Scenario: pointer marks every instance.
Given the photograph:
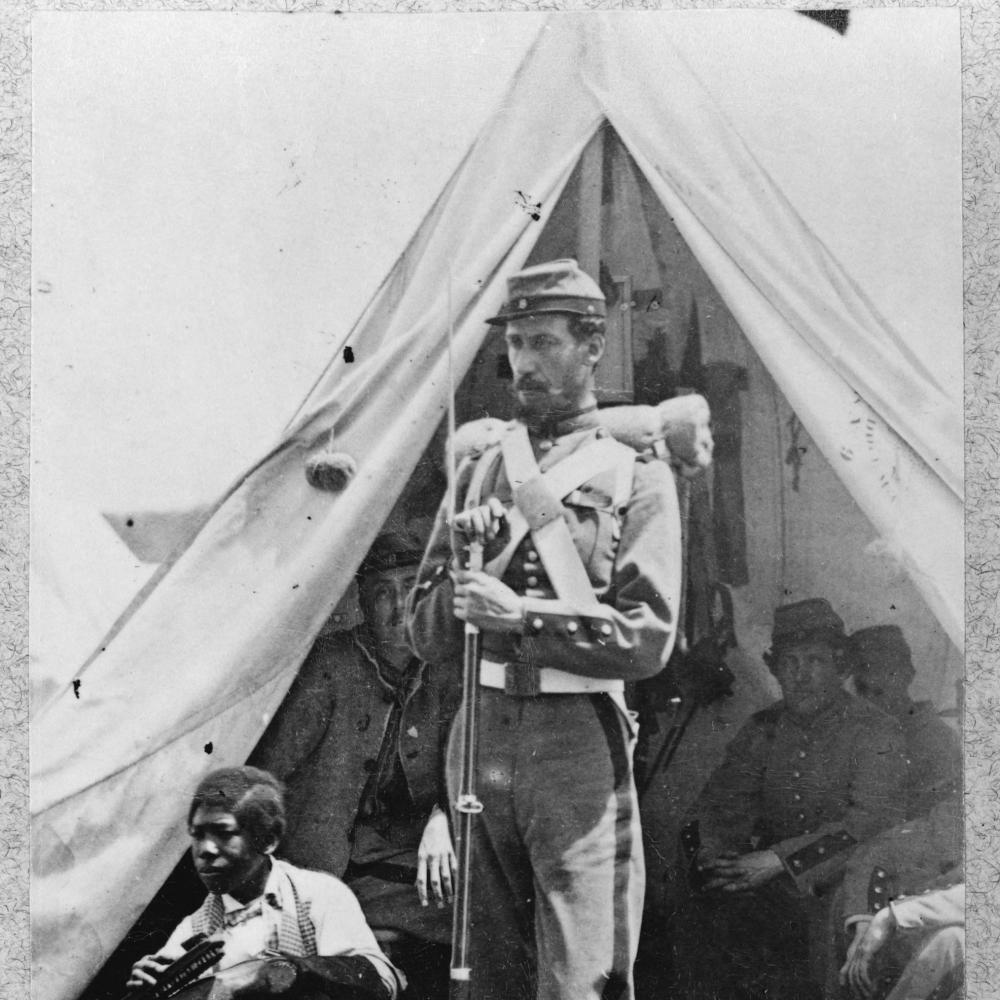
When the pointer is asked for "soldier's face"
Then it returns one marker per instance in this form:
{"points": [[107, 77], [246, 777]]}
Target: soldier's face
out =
{"points": [[888, 689], [553, 370], [383, 596], [807, 673]]}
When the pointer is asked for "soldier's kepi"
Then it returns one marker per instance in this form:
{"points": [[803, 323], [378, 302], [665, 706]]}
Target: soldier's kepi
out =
{"points": [[579, 594]]}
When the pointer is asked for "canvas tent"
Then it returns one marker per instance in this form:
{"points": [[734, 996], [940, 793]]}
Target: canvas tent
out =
{"points": [[207, 650]]}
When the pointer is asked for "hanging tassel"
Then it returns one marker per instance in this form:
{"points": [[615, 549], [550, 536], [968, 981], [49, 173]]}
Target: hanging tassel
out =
{"points": [[328, 469]]}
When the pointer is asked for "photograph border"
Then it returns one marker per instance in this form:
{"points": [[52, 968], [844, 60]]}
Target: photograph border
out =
{"points": [[980, 40]]}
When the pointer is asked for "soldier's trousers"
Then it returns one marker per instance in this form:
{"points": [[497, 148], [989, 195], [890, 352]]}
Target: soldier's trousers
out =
{"points": [[558, 872]]}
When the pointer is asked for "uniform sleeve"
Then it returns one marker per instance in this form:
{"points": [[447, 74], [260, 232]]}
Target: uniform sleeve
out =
{"points": [[931, 911], [919, 854], [434, 633], [302, 719], [341, 929], [731, 800], [631, 633], [876, 802]]}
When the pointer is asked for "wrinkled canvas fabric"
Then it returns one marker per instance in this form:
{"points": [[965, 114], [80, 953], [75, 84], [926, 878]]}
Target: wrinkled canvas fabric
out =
{"points": [[207, 652]]}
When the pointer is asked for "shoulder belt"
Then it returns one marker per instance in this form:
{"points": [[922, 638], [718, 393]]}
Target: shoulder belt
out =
{"points": [[538, 508]]}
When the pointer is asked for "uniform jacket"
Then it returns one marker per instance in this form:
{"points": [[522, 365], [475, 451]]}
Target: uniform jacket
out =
{"points": [[934, 756], [631, 555], [914, 857], [807, 790], [325, 738]]}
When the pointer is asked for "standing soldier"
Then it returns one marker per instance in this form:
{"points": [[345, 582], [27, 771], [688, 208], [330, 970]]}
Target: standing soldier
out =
{"points": [[569, 611]]}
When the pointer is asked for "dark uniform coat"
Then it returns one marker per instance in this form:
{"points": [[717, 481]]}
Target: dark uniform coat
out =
{"points": [[325, 739], [810, 791], [914, 857], [934, 758]]}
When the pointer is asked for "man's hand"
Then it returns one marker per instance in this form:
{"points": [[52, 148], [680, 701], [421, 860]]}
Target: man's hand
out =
{"points": [[146, 971], [731, 872], [482, 523], [436, 861], [486, 602], [870, 937]]}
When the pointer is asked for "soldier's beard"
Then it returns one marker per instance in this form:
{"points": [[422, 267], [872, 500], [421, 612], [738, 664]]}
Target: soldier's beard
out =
{"points": [[541, 403]]}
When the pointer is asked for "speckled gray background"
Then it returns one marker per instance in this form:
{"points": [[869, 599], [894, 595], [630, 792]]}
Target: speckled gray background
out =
{"points": [[981, 155]]}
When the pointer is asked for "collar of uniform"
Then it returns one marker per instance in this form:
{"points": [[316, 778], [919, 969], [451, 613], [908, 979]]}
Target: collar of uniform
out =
{"points": [[553, 425]]}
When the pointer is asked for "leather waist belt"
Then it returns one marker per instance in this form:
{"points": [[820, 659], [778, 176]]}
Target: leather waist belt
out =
{"points": [[550, 680]]}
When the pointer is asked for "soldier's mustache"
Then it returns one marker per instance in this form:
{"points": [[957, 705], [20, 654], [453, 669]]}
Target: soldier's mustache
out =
{"points": [[527, 383]]}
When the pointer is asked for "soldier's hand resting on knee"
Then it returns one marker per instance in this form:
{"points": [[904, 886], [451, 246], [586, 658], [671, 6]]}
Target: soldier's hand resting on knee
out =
{"points": [[437, 866], [731, 872], [870, 936]]}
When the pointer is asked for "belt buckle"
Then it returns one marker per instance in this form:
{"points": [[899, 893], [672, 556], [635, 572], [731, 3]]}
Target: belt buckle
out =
{"points": [[522, 680]]}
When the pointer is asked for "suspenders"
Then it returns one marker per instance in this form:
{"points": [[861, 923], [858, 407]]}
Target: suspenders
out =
{"points": [[538, 504]]}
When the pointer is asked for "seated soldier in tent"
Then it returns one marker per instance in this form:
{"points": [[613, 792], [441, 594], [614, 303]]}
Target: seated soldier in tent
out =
{"points": [[904, 908], [883, 672], [802, 782], [359, 741], [284, 931]]}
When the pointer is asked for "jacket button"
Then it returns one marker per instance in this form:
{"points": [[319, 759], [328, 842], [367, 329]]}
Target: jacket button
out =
{"points": [[533, 556], [545, 445], [796, 774], [537, 624], [532, 581], [605, 629], [802, 753], [797, 797], [572, 628]]}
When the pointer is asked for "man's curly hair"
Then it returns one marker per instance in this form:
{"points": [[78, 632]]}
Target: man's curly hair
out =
{"points": [[255, 797]]}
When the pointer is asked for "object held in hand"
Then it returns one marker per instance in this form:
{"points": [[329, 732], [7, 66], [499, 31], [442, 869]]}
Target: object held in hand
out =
{"points": [[201, 954]]}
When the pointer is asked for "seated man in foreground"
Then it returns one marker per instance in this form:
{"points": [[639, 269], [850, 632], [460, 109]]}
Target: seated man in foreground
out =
{"points": [[802, 782], [285, 931]]}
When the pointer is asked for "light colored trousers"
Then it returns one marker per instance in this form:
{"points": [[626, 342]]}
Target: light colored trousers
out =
{"points": [[558, 873], [936, 968]]}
